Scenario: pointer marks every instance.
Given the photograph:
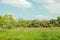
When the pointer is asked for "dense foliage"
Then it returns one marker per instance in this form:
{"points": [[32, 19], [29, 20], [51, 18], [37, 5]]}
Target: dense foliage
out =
{"points": [[7, 21]]}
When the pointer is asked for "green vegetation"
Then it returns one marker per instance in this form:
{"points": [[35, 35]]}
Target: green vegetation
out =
{"points": [[7, 22], [30, 34], [20, 29]]}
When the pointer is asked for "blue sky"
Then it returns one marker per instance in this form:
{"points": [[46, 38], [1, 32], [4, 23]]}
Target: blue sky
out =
{"points": [[31, 9]]}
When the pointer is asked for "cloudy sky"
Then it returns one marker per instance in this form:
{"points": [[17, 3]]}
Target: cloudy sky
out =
{"points": [[31, 9]]}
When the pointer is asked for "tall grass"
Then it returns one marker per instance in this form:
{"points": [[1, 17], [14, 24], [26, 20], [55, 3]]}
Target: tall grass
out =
{"points": [[30, 34]]}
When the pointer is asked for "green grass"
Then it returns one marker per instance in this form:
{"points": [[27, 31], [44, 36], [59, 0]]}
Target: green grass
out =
{"points": [[30, 34]]}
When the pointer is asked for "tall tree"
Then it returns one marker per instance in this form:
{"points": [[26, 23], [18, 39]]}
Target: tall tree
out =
{"points": [[9, 21]]}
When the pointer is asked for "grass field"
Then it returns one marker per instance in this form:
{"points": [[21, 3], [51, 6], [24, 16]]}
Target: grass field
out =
{"points": [[30, 34]]}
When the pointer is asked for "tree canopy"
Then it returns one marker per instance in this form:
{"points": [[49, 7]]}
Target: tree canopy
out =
{"points": [[8, 21]]}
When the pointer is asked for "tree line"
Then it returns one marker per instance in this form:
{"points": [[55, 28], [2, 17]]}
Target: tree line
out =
{"points": [[8, 21]]}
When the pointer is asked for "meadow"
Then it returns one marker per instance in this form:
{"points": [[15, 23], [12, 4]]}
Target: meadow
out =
{"points": [[52, 33]]}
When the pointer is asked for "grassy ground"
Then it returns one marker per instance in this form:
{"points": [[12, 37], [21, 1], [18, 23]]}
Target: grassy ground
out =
{"points": [[30, 34]]}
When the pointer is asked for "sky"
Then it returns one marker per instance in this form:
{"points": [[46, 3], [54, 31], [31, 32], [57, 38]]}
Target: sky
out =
{"points": [[31, 9]]}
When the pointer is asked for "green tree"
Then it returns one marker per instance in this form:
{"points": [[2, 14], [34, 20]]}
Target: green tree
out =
{"points": [[8, 20], [58, 21], [53, 22], [44, 23]]}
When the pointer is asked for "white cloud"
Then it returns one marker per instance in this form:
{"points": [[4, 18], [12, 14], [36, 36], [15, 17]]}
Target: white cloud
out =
{"points": [[17, 3], [44, 1], [52, 6], [41, 17]]}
